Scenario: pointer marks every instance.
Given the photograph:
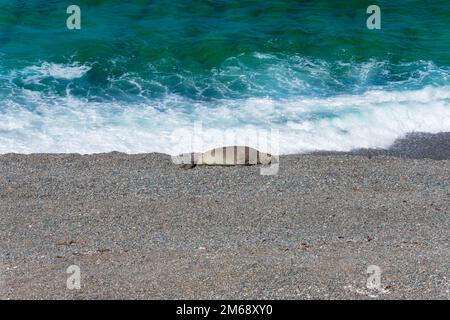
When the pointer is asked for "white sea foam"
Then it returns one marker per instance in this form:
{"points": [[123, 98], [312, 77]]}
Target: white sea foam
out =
{"points": [[342, 123], [34, 74]]}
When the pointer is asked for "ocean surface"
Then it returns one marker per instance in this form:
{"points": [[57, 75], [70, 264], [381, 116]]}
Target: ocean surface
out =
{"points": [[144, 76]]}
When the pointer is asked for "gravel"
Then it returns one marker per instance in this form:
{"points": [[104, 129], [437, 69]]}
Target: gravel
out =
{"points": [[138, 226]]}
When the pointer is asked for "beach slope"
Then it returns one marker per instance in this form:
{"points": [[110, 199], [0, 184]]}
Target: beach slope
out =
{"points": [[140, 227]]}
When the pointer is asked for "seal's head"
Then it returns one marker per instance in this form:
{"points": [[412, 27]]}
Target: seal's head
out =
{"points": [[264, 158]]}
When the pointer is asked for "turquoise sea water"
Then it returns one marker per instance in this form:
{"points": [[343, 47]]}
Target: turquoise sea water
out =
{"points": [[140, 74]]}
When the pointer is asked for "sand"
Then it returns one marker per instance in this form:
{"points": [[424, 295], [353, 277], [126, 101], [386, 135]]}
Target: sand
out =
{"points": [[138, 226]]}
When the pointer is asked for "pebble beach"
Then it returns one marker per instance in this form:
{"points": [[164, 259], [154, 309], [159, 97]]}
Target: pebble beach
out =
{"points": [[138, 226]]}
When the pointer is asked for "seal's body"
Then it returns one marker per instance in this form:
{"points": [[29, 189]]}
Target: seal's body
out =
{"points": [[226, 156]]}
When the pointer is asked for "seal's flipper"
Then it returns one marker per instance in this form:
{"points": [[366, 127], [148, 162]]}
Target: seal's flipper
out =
{"points": [[188, 166]]}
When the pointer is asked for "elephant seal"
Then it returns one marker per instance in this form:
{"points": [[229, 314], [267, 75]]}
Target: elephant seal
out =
{"points": [[225, 156]]}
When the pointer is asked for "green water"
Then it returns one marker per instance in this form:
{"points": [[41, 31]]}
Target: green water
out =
{"points": [[183, 56]]}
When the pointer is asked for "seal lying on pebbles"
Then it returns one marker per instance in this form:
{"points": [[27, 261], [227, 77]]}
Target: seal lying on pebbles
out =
{"points": [[225, 156]]}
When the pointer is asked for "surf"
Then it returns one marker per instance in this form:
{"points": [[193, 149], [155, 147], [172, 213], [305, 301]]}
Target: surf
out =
{"points": [[374, 119]]}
